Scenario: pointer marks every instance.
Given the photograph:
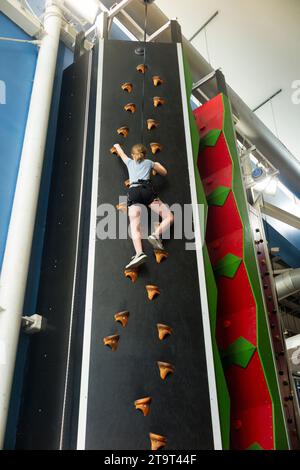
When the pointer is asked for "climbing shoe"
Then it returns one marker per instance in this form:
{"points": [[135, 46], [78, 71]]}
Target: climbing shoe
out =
{"points": [[155, 242], [137, 260]]}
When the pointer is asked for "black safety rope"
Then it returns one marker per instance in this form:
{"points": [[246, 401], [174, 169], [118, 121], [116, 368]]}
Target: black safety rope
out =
{"points": [[144, 77]]}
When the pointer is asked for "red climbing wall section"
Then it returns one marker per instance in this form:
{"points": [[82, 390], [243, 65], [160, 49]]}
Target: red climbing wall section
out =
{"points": [[241, 329]]}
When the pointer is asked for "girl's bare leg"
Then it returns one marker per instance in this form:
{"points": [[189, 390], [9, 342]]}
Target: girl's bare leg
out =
{"points": [[134, 213], [164, 212]]}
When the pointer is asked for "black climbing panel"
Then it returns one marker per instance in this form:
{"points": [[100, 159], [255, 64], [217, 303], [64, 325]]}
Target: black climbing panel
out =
{"points": [[180, 408]]}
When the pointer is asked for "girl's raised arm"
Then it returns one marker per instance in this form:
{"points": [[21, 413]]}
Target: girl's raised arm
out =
{"points": [[121, 153]]}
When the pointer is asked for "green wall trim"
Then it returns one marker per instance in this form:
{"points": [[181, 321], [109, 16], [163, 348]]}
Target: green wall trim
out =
{"points": [[239, 353], [221, 385], [219, 196], [263, 337]]}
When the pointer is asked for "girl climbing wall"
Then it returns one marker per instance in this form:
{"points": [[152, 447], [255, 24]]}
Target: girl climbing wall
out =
{"points": [[141, 192]]}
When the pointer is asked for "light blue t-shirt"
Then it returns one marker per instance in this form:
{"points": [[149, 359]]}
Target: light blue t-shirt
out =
{"points": [[139, 170]]}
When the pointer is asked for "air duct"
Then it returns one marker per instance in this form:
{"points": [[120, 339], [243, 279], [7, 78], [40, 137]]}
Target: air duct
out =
{"points": [[288, 283]]}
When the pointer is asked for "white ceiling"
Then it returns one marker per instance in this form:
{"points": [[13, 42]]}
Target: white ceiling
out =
{"points": [[257, 45]]}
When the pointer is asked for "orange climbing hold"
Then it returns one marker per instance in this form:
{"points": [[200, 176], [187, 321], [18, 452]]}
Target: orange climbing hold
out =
{"points": [[158, 101], [160, 255], [127, 87], [132, 274], [130, 107], [165, 369], [152, 291], [143, 405], [112, 341], [142, 68], [155, 148], [122, 207], [113, 151], [157, 81], [157, 441], [152, 124], [122, 317], [163, 331], [124, 131]]}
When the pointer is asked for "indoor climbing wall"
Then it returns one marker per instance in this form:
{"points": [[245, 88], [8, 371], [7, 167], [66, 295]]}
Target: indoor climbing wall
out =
{"points": [[124, 358], [144, 378], [241, 334]]}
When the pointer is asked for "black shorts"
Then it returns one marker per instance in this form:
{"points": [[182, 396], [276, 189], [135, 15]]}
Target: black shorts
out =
{"points": [[142, 194]]}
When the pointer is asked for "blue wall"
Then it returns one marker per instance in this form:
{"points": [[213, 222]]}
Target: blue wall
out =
{"points": [[288, 252], [281, 235], [17, 67]]}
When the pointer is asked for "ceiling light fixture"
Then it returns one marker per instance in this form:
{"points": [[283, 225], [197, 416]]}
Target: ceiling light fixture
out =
{"points": [[264, 182], [86, 9]]}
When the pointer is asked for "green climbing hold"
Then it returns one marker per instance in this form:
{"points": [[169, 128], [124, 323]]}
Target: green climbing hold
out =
{"points": [[211, 138], [219, 196], [239, 353], [227, 266], [255, 446]]}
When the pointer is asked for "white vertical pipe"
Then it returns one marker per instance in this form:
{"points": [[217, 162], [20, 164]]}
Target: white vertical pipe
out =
{"points": [[20, 234]]}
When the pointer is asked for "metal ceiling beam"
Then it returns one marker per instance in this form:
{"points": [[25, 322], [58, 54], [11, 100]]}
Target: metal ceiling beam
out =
{"points": [[117, 8], [157, 33], [23, 18], [281, 215]]}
